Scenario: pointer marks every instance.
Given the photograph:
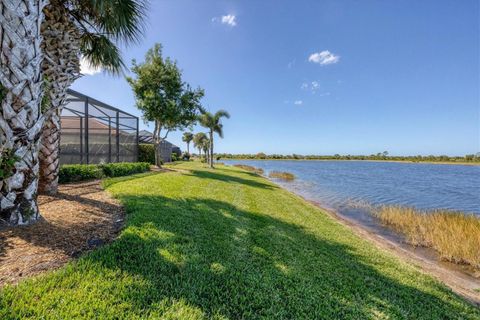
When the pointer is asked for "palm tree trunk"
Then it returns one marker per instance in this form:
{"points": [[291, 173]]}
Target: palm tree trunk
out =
{"points": [[211, 149], [20, 117], [188, 147], [61, 67]]}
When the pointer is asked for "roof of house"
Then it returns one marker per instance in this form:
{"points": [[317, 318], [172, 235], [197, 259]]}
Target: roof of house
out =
{"points": [[72, 125], [145, 136]]}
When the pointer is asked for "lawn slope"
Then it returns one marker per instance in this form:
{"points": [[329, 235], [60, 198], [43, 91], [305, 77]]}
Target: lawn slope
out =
{"points": [[226, 243]]}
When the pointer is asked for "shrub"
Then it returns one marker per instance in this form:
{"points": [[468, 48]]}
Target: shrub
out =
{"points": [[124, 168], [79, 172], [261, 155], [146, 153], [174, 157], [186, 156], [282, 175]]}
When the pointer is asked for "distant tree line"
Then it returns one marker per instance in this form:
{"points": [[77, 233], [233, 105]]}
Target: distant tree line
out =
{"points": [[384, 156]]}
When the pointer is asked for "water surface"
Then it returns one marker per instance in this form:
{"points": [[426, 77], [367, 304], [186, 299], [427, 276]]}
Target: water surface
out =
{"points": [[347, 186]]}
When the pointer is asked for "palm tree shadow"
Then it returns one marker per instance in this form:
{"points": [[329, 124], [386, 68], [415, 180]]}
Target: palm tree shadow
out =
{"points": [[240, 264], [231, 179]]}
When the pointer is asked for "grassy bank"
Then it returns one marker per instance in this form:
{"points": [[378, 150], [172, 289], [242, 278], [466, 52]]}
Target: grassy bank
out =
{"points": [[454, 235], [226, 243]]}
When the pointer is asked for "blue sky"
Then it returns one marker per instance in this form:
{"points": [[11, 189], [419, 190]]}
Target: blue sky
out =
{"points": [[322, 77]]}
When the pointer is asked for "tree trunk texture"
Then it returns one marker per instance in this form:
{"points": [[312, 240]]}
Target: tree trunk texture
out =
{"points": [[211, 149], [158, 153], [61, 67], [20, 116]]}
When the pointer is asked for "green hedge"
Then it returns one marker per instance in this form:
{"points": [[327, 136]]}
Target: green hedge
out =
{"points": [[80, 172], [124, 168], [146, 153]]}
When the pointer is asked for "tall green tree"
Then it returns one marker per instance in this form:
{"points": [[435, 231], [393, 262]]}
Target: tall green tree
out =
{"points": [[163, 97], [73, 30], [187, 138], [199, 140], [214, 124]]}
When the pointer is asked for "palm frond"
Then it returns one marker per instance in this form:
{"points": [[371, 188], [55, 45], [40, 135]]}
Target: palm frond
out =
{"points": [[121, 20], [219, 130], [221, 114], [101, 52]]}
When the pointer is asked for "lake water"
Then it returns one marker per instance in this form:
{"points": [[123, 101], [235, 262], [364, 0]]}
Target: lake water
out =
{"points": [[351, 187]]}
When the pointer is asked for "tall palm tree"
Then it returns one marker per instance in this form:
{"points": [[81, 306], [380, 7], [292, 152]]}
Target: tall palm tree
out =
{"points": [[214, 124], [199, 141], [187, 138], [20, 105], [73, 29]]}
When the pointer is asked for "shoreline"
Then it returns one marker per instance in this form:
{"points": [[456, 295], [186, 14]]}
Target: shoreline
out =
{"points": [[461, 283], [358, 160]]}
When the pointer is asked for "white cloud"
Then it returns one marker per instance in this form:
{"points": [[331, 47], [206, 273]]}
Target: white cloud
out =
{"points": [[229, 19], [323, 58], [87, 69], [298, 102], [291, 64], [310, 86]]}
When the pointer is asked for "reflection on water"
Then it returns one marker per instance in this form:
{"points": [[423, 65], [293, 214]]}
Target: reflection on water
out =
{"points": [[347, 185]]}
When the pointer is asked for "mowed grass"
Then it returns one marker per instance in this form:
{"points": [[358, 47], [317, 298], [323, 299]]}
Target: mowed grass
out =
{"points": [[228, 244], [454, 235]]}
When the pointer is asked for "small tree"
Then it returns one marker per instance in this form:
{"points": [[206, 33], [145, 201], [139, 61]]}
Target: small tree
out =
{"points": [[198, 142], [261, 155], [163, 97], [187, 138]]}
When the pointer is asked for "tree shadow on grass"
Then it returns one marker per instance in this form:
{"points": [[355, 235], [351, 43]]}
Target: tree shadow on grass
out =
{"points": [[210, 174], [211, 256]]}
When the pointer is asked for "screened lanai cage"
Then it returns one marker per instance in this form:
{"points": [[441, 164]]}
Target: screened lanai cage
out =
{"points": [[94, 132]]}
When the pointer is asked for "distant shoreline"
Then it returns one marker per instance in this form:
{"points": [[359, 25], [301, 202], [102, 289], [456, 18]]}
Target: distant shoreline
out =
{"points": [[358, 160]]}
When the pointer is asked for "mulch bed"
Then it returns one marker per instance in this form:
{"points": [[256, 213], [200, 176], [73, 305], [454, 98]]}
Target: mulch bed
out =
{"points": [[79, 218]]}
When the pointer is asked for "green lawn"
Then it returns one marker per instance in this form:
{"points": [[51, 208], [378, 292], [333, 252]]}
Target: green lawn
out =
{"points": [[223, 244]]}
